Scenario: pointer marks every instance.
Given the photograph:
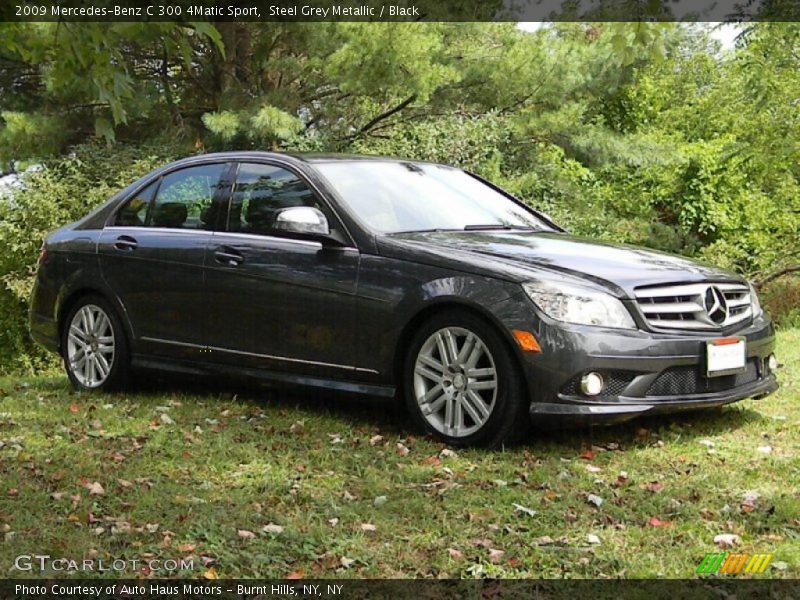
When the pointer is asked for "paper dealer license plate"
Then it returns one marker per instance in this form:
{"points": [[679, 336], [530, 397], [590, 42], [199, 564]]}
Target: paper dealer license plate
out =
{"points": [[725, 356]]}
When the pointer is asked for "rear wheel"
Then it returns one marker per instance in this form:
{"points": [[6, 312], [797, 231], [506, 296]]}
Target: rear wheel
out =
{"points": [[462, 383], [94, 346]]}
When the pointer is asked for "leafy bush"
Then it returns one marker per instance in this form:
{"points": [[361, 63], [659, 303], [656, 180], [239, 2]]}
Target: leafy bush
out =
{"points": [[64, 190], [782, 299]]}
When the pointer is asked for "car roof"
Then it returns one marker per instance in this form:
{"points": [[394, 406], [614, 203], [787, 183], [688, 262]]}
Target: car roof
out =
{"points": [[306, 157]]}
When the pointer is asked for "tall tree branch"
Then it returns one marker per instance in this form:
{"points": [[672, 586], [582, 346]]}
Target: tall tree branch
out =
{"points": [[385, 115], [762, 281]]}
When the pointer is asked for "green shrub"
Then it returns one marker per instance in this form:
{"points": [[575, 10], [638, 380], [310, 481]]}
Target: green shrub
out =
{"points": [[64, 190], [781, 298]]}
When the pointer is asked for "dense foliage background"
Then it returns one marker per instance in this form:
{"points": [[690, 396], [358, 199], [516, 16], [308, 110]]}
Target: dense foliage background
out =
{"points": [[637, 132]]}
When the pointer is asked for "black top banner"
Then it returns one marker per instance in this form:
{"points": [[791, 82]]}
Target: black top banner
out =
{"points": [[400, 10], [379, 589]]}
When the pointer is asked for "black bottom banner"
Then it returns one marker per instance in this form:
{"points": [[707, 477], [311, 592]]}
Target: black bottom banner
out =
{"points": [[630, 589]]}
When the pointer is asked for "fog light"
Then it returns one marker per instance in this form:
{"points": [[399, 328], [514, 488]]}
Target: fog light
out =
{"points": [[592, 384], [772, 362]]}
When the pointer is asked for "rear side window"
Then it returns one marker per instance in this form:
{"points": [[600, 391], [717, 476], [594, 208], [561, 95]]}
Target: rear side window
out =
{"points": [[185, 198], [260, 192], [134, 213]]}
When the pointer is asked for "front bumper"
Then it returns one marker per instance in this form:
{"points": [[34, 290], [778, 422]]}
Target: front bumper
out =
{"points": [[644, 372]]}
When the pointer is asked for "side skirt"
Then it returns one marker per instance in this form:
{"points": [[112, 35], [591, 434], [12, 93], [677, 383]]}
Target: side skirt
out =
{"points": [[189, 368]]}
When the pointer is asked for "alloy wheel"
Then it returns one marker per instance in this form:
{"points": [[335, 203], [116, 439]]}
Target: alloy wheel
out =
{"points": [[90, 346], [455, 381]]}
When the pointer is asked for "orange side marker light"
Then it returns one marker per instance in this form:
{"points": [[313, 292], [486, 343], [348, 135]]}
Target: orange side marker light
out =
{"points": [[526, 340]]}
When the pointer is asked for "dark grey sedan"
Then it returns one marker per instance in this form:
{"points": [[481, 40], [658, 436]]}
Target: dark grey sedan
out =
{"points": [[391, 277]]}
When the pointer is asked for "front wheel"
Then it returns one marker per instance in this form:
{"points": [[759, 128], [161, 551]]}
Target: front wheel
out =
{"points": [[93, 345], [462, 382]]}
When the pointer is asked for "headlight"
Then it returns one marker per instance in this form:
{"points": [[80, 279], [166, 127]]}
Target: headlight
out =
{"points": [[755, 304], [580, 305]]}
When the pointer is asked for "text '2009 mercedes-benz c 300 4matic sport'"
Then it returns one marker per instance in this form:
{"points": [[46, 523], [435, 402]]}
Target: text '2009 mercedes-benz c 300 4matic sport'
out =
{"points": [[392, 277]]}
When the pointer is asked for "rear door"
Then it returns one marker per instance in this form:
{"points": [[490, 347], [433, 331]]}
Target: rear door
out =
{"points": [[152, 256], [275, 301]]}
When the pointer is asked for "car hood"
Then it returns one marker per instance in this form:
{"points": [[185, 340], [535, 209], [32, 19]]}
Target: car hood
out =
{"points": [[620, 265]]}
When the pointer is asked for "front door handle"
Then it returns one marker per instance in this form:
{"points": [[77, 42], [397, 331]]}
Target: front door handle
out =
{"points": [[226, 255], [126, 243]]}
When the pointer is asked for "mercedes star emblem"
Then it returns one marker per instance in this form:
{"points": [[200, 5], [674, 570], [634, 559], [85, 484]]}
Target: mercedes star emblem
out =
{"points": [[716, 305]]}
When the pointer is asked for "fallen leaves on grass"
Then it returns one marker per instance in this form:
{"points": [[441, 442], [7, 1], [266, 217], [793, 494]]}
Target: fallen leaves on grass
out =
{"points": [[593, 539], [749, 501], [432, 460], [656, 522], [594, 499], [368, 527], [375, 440], [95, 489], [496, 556], [272, 528], [654, 486], [455, 554], [246, 535], [402, 449], [299, 574], [380, 501], [520, 509], [727, 540]]}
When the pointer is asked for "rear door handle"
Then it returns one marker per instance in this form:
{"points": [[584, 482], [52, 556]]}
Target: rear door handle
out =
{"points": [[228, 256], [126, 243]]}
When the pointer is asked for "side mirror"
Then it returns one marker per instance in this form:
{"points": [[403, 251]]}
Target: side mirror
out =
{"points": [[304, 220]]}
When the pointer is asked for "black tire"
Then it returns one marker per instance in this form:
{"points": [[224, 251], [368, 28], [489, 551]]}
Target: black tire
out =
{"points": [[117, 375], [508, 420]]}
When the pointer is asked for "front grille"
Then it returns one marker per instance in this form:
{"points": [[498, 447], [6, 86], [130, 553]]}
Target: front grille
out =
{"points": [[685, 381], [694, 305], [616, 382]]}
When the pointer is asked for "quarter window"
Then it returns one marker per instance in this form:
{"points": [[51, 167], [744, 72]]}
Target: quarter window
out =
{"points": [[185, 198], [260, 192], [134, 213]]}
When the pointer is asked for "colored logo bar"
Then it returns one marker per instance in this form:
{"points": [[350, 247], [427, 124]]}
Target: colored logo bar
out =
{"points": [[733, 564]]}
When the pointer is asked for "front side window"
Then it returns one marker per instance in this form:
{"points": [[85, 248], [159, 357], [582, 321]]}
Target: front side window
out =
{"points": [[394, 197], [184, 199], [261, 192]]}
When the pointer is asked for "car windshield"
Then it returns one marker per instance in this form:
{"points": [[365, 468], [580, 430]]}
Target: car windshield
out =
{"points": [[395, 197]]}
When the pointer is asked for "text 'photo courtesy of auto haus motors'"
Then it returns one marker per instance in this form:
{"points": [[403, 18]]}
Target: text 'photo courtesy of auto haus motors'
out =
{"points": [[392, 277]]}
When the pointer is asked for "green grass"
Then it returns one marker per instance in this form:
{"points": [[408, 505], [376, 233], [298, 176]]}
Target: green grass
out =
{"points": [[239, 458]]}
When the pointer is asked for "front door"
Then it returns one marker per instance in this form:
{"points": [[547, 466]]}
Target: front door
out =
{"points": [[274, 301]]}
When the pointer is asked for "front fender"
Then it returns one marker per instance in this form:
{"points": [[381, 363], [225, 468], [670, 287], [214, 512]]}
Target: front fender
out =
{"points": [[395, 296]]}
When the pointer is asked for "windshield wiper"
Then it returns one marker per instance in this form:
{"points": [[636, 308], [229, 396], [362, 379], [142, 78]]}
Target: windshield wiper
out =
{"points": [[431, 230], [497, 226]]}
